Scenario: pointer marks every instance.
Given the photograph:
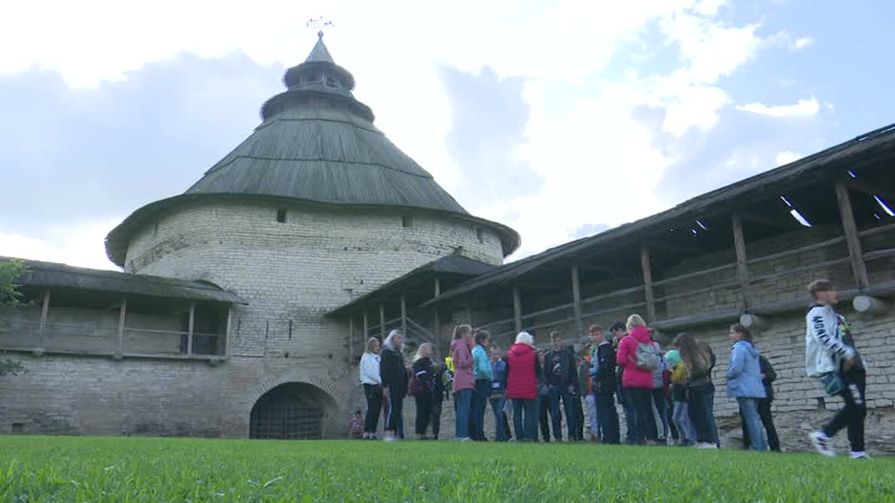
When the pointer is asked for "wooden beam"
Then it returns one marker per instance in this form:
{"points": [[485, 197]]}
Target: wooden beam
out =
{"points": [[44, 312], [382, 321], [122, 315], [189, 334], [469, 313], [859, 269], [437, 286], [351, 336], [576, 302], [675, 247], [228, 330], [739, 245], [366, 328], [873, 190], [646, 269], [780, 223], [517, 309], [404, 315], [868, 304], [437, 329]]}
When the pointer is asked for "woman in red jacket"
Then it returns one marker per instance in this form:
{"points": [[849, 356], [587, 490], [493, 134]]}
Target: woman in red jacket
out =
{"points": [[639, 355], [523, 372]]}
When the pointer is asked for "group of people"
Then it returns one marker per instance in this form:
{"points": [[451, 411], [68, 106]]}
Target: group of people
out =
{"points": [[665, 397]]}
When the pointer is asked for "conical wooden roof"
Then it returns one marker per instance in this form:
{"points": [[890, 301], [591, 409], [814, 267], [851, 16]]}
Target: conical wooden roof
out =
{"points": [[317, 143]]}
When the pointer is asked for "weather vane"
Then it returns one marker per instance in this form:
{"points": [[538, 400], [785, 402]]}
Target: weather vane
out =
{"points": [[319, 24]]}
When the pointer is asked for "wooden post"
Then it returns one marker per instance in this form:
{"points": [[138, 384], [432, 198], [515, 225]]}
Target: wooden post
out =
{"points": [[404, 315], [382, 321], [576, 302], [739, 245], [469, 313], [351, 335], [44, 311], [517, 309], [228, 330], [189, 334], [435, 319], [647, 284], [122, 314], [851, 237], [366, 327], [437, 286]]}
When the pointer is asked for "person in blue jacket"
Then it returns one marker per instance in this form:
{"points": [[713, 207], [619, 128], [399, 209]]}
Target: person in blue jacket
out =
{"points": [[744, 383]]}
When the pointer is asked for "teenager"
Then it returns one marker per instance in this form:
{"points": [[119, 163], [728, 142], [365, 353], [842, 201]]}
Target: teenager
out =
{"points": [[831, 355], [619, 332], [586, 387], [523, 374], [744, 383], [604, 384], [423, 388], [481, 370], [768, 376], [440, 381], [543, 400], [372, 383], [464, 382], [498, 396], [699, 360], [639, 356], [680, 415], [560, 376], [393, 373]]}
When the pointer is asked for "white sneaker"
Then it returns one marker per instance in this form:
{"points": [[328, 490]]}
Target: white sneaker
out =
{"points": [[859, 455], [821, 442], [390, 438], [706, 445]]}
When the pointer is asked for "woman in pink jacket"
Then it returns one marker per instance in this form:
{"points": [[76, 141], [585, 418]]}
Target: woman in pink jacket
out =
{"points": [[639, 356], [464, 383]]}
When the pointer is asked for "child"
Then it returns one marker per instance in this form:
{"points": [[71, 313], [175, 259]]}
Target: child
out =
{"points": [[356, 425], [680, 415]]}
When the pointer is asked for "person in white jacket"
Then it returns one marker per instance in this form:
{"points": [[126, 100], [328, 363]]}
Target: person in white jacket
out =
{"points": [[830, 355], [372, 382]]}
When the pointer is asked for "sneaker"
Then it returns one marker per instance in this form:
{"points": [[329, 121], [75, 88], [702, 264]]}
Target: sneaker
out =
{"points": [[706, 445], [390, 438], [821, 442], [464, 439], [859, 455]]}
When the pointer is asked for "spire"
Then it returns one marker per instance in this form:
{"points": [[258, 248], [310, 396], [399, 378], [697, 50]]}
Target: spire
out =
{"points": [[319, 54]]}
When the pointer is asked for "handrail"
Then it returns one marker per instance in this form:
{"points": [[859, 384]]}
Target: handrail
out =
{"points": [[795, 251], [547, 311], [613, 293], [876, 230], [694, 274], [612, 309], [803, 268], [689, 293]]}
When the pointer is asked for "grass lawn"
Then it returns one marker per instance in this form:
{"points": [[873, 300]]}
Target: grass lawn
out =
{"points": [[169, 469]]}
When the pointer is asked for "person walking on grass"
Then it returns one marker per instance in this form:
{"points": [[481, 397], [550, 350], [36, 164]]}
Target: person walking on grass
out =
{"points": [[744, 383], [523, 374], [831, 356], [699, 360], [498, 397], [481, 369], [372, 383], [560, 374], [423, 388], [464, 382], [640, 357], [393, 373]]}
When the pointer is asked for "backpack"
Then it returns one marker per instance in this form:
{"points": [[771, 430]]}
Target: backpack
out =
{"points": [[416, 387], [648, 356]]}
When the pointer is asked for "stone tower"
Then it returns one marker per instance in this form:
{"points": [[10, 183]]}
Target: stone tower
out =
{"points": [[314, 208]]}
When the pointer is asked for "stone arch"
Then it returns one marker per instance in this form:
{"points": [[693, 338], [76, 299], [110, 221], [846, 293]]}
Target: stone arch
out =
{"points": [[320, 390]]}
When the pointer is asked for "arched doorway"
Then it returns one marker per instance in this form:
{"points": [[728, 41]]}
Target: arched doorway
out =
{"points": [[290, 411]]}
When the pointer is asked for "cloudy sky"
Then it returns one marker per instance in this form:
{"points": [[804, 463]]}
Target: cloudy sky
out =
{"points": [[560, 119]]}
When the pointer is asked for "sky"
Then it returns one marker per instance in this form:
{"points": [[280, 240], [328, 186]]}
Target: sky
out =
{"points": [[560, 119]]}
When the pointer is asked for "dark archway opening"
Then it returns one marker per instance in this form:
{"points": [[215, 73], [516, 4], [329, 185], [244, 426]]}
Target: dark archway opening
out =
{"points": [[290, 411]]}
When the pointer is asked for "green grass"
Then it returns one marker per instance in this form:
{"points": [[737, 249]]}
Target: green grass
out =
{"points": [[167, 469]]}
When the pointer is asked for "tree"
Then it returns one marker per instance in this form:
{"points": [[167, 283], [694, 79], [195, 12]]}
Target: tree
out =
{"points": [[10, 297]]}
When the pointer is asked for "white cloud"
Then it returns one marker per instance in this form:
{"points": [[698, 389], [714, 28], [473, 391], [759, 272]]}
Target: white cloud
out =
{"points": [[81, 244], [802, 43], [803, 108], [786, 157], [583, 136]]}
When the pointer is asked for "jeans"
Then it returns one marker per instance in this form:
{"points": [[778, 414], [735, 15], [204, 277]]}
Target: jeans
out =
{"points": [[764, 412], [543, 409], [702, 413], [479, 405], [852, 415], [681, 419], [423, 412], [608, 421], [373, 394], [461, 413], [499, 418], [630, 417], [643, 414], [661, 405], [556, 393], [749, 410], [594, 420], [579, 416], [525, 422]]}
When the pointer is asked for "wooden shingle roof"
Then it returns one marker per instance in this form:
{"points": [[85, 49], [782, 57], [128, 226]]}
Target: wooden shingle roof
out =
{"points": [[316, 143]]}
